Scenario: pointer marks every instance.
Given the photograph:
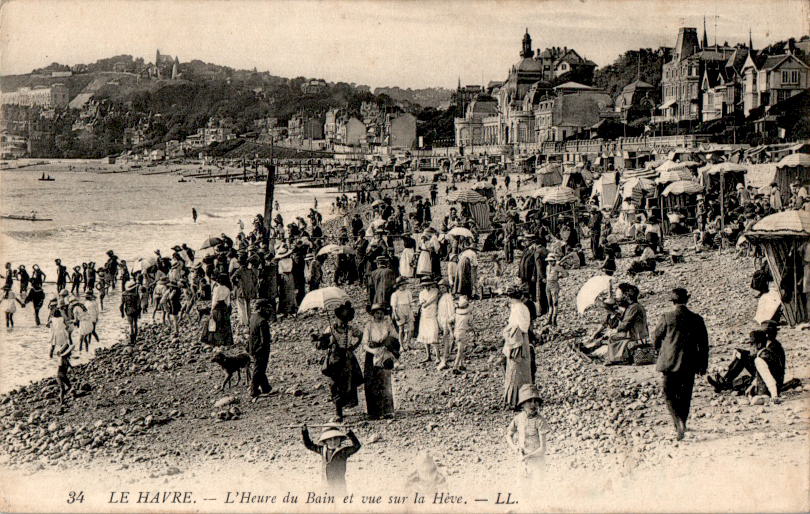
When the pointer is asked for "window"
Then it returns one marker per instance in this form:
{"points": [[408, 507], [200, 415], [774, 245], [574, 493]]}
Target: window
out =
{"points": [[782, 95], [790, 77]]}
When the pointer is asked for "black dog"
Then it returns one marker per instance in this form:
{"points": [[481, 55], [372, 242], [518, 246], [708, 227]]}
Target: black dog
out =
{"points": [[233, 364]]}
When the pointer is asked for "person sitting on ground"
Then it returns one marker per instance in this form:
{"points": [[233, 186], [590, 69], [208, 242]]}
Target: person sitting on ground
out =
{"points": [[426, 477], [765, 367], [677, 222], [646, 262], [631, 331]]}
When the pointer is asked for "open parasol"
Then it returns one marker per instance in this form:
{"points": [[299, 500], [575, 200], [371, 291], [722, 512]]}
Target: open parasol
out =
{"points": [[144, 263], [785, 223], [326, 298], [460, 232], [672, 175], [559, 195], [333, 249], [211, 242], [467, 196], [591, 290], [680, 187]]}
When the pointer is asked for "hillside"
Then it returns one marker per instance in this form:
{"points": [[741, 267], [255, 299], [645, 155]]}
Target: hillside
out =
{"points": [[426, 97]]}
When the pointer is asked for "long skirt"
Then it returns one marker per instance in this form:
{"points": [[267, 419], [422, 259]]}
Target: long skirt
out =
{"points": [[286, 297], [344, 378], [424, 265], [379, 389], [428, 330], [518, 372], [222, 334]]}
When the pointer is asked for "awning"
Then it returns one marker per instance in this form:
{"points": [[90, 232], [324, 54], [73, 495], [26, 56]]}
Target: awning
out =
{"points": [[667, 104]]}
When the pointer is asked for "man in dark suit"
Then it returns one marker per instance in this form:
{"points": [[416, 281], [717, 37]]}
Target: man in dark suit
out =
{"points": [[682, 343]]}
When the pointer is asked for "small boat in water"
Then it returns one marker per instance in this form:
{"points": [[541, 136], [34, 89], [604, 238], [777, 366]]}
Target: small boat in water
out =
{"points": [[46, 179], [22, 217]]}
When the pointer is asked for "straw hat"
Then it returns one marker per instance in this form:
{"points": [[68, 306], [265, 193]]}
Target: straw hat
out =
{"points": [[427, 281], [378, 307], [527, 392], [401, 281], [331, 430]]}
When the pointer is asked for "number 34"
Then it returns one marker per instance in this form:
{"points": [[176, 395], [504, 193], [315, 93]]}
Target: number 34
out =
{"points": [[75, 497]]}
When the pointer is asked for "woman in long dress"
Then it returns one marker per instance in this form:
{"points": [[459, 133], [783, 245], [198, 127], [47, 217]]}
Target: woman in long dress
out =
{"points": [[516, 349], [427, 309], [428, 246], [382, 349], [286, 300], [217, 328], [340, 365]]}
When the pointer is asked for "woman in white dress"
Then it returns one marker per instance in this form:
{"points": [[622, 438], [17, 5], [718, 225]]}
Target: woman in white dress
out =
{"points": [[427, 311], [428, 245], [59, 333]]}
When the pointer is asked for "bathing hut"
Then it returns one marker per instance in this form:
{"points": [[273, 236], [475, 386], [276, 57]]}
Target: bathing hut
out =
{"points": [[785, 237], [679, 196]]}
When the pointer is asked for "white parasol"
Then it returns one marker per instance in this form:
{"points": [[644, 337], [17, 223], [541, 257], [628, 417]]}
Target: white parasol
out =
{"points": [[326, 298], [461, 232], [336, 249], [767, 306], [590, 290]]}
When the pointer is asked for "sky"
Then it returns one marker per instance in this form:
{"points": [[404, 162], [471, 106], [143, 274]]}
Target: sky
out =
{"points": [[408, 43]]}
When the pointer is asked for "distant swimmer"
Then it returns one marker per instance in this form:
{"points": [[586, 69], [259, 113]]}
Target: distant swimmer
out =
{"points": [[194, 214]]}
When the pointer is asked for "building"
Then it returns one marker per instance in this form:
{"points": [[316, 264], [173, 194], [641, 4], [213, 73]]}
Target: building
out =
{"points": [[770, 79], [55, 95], [505, 113], [401, 130], [681, 88], [351, 131], [313, 86], [301, 127], [564, 116], [635, 99]]}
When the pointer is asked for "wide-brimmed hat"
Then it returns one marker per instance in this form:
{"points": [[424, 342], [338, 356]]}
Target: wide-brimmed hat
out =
{"points": [[163, 280], [527, 392], [132, 285], [283, 253], [381, 259], [401, 281], [425, 281], [551, 257], [331, 432], [463, 302], [443, 283], [110, 252], [378, 307], [309, 257]]}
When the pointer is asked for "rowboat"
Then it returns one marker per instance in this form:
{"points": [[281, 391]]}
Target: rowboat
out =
{"points": [[23, 218]]}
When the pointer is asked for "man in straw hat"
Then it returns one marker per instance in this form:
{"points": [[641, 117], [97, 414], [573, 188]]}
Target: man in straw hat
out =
{"points": [[381, 282], [334, 454], [530, 429], [682, 343], [131, 309]]}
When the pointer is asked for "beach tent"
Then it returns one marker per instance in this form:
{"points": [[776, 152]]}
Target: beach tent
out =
{"points": [[577, 178], [679, 195], [785, 237], [648, 173], [673, 175], [606, 189], [549, 174], [475, 204], [792, 168], [559, 206]]}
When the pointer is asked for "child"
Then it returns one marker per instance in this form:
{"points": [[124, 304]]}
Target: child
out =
{"points": [[553, 275], [9, 306], [461, 333], [62, 379], [333, 455], [426, 478], [59, 333], [92, 313], [447, 318], [131, 308], [402, 311], [531, 430]]}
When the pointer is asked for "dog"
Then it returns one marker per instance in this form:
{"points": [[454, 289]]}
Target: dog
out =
{"points": [[233, 364]]}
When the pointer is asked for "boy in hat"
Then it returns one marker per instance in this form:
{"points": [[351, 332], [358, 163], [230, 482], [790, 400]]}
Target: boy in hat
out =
{"points": [[402, 310], [530, 429], [75, 280], [333, 454]]}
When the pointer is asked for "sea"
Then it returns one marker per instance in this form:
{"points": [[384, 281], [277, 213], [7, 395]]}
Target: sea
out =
{"points": [[130, 213]]}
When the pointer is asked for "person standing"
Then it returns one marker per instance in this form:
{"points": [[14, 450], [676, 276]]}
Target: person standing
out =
{"points": [[446, 316], [682, 342], [381, 283], [36, 296], [467, 271], [131, 309], [516, 349], [595, 227], [340, 365], [125, 276], [244, 280], [258, 347], [61, 275], [381, 348], [24, 278], [427, 313]]}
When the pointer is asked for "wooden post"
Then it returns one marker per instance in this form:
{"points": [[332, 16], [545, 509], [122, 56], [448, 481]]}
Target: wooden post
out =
{"points": [[269, 190]]}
